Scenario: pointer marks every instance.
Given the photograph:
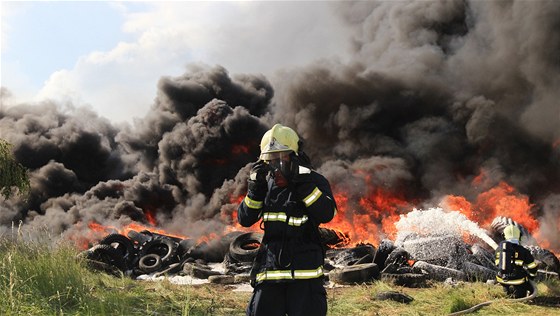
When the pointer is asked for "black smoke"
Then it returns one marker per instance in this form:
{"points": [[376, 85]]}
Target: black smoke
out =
{"points": [[433, 94]]}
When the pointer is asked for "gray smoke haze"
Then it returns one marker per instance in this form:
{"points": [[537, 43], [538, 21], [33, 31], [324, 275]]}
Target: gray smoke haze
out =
{"points": [[434, 94]]}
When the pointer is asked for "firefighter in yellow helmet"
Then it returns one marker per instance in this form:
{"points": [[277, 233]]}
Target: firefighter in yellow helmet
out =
{"points": [[516, 265], [292, 200]]}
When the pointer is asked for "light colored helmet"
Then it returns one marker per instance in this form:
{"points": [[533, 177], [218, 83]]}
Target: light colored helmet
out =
{"points": [[278, 139], [512, 232]]}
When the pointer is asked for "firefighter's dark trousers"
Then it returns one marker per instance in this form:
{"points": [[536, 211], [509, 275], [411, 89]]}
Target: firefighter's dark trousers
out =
{"points": [[300, 297], [518, 291]]}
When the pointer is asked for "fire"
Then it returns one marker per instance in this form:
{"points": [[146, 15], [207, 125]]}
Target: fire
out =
{"points": [[96, 232], [373, 216], [150, 217], [502, 200], [239, 149]]}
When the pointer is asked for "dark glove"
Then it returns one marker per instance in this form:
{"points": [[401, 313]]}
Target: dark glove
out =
{"points": [[256, 184]]}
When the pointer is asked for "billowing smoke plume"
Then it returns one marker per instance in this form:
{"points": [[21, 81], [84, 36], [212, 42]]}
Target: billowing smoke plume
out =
{"points": [[434, 95]]}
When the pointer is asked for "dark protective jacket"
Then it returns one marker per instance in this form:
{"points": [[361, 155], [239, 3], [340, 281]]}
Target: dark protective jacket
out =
{"points": [[515, 263], [291, 248]]}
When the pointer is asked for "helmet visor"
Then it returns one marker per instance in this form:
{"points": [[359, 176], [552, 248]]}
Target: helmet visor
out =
{"points": [[279, 161], [270, 156]]}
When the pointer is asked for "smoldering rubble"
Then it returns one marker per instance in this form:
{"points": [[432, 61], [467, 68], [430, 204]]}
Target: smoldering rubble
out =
{"points": [[434, 94]]}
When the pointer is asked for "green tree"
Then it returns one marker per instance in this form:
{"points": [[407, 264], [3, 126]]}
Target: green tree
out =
{"points": [[12, 173]]}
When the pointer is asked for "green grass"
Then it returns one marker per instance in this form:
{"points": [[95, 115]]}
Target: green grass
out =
{"points": [[36, 279]]}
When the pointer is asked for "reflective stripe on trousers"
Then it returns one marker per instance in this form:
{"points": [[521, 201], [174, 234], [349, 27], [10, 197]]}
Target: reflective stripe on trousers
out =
{"points": [[287, 274]]}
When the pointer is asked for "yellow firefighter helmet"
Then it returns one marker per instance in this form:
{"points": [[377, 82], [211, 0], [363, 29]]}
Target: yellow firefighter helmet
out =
{"points": [[512, 232], [278, 139]]}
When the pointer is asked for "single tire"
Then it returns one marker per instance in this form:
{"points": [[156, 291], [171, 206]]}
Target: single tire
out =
{"points": [[386, 246], [103, 267], [439, 273], [368, 258], [413, 280], [359, 273], [244, 248], [484, 257], [475, 272], [165, 248], [121, 243], [139, 238], [398, 257], [108, 255], [198, 271], [331, 237], [221, 279], [350, 256], [149, 263], [545, 259], [185, 246], [394, 296]]}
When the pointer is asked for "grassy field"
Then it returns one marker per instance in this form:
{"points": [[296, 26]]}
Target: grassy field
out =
{"points": [[47, 280]]}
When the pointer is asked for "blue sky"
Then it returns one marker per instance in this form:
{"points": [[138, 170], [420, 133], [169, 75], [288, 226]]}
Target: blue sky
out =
{"points": [[109, 55]]}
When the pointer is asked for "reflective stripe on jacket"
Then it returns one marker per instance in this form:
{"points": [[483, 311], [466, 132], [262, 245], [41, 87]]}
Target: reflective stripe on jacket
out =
{"points": [[291, 248], [515, 263]]}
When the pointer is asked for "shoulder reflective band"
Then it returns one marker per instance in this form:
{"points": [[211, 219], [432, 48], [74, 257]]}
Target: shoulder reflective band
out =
{"points": [[519, 262], [311, 198], [252, 203], [287, 274], [282, 217], [511, 282]]}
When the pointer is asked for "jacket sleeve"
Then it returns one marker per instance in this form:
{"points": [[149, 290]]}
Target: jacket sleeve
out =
{"points": [[530, 264], [249, 210], [317, 196]]}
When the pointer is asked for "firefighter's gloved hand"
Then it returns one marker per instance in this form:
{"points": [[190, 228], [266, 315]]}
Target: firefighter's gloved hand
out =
{"points": [[256, 184]]}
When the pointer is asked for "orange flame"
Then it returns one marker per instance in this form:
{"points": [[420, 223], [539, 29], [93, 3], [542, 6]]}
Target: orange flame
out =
{"points": [[239, 149], [372, 217], [502, 200]]}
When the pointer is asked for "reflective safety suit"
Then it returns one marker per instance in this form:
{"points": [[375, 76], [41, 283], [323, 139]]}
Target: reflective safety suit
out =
{"points": [[516, 267], [288, 271]]}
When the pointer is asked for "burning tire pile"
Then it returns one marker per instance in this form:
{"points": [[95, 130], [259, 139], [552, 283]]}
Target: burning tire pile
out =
{"points": [[410, 262]]}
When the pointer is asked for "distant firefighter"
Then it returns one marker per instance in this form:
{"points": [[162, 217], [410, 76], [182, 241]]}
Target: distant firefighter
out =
{"points": [[515, 263]]}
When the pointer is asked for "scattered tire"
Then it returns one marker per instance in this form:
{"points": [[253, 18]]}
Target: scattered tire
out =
{"points": [[121, 243], [475, 272], [484, 257], [104, 267], [330, 237], [165, 248], [439, 273], [394, 296], [106, 254], [413, 280], [368, 258], [359, 273], [139, 238], [149, 263], [386, 246], [221, 279], [397, 257], [244, 247], [350, 256], [545, 259], [198, 271], [185, 246]]}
